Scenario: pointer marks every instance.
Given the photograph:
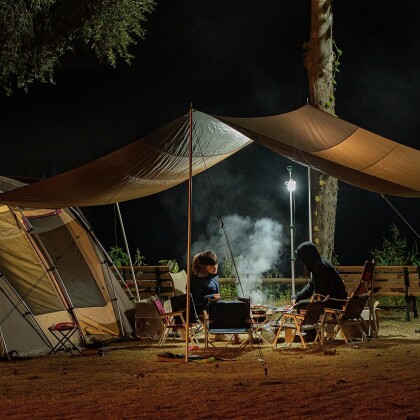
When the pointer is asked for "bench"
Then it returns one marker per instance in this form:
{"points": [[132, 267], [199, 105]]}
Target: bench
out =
{"points": [[403, 281], [152, 280]]}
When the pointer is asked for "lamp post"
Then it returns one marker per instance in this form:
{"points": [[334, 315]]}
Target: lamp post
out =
{"points": [[291, 186]]}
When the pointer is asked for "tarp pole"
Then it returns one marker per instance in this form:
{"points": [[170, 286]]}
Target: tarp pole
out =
{"points": [[309, 204], [187, 321], [128, 250]]}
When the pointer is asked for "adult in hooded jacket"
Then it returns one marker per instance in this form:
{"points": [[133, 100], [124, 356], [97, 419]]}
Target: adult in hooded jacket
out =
{"points": [[325, 278]]}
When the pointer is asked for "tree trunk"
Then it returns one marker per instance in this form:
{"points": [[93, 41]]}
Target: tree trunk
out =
{"points": [[319, 58]]}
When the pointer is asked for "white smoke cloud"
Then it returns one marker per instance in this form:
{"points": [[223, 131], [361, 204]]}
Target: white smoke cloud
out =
{"points": [[255, 246]]}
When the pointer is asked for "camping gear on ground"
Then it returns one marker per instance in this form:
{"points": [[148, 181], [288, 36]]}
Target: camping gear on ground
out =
{"points": [[148, 323]]}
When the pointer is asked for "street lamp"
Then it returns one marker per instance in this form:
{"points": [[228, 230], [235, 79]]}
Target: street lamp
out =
{"points": [[291, 186]]}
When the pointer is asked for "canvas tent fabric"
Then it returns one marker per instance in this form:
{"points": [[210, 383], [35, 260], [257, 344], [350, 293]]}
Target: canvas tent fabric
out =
{"points": [[53, 271], [161, 160]]}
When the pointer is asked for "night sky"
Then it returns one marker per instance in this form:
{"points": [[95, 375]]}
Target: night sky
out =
{"points": [[233, 58]]}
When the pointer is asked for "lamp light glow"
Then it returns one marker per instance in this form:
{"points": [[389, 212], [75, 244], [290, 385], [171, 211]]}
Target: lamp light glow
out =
{"points": [[291, 185]]}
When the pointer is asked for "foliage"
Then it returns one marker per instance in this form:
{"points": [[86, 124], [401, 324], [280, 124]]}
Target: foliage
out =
{"points": [[35, 34], [414, 255], [335, 69], [172, 264], [228, 291], [120, 258], [335, 258], [395, 251], [273, 273], [279, 295], [228, 268], [138, 258]]}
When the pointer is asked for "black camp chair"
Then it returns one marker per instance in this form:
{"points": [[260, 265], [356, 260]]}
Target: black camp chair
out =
{"points": [[228, 317]]}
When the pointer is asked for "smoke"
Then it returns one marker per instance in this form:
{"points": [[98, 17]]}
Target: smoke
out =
{"points": [[255, 245]]}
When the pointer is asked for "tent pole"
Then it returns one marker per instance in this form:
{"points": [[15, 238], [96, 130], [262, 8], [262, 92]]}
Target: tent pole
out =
{"points": [[79, 215], [27, 312], [3, 346], [187, 321], [128, 250], [309, 204], [33, 236], [81, 218]]}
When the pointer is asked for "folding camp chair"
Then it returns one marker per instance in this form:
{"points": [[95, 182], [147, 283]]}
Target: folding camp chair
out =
{"points": [[365, 286], [230, 317], [175, 321], [63, 332], [366, 279], [351, 315], [301, 323]]}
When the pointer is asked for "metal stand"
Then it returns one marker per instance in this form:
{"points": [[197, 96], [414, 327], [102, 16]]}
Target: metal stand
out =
{"points": [[63, 333]]}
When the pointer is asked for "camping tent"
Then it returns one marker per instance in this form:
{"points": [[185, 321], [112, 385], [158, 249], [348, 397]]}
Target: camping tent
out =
{"points": [[161, 159], [52, 270]]}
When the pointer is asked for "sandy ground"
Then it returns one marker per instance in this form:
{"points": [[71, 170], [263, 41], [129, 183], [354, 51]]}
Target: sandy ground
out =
{"points": [[376, 380]]}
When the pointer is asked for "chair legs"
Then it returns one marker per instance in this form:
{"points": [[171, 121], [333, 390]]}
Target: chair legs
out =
{"points": [[332, 320], [168, 327], [63, 333], [290, 333]]}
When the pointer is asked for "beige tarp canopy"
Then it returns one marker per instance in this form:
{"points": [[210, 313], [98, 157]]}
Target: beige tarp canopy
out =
{"points": [[338, 148], [160, 160]]}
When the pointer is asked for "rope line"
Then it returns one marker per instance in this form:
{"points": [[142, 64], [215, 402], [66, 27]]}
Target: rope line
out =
{"points": [[222, 224]]}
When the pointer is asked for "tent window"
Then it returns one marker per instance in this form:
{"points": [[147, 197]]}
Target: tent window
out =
{"points": [[69, 261]]}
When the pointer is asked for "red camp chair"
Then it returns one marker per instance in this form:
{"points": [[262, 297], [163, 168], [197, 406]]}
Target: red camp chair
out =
{"points": [[174, 321]]}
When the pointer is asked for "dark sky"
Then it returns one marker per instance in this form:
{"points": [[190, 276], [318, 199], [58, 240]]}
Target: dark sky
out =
{"points": [[233, 58]]}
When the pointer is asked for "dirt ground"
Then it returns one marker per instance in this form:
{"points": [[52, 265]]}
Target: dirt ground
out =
{"points": [[378, 379]]}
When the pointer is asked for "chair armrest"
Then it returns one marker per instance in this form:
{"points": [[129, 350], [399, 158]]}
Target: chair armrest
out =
{"points": [[333, 311], [176, 313], [293, 316]]}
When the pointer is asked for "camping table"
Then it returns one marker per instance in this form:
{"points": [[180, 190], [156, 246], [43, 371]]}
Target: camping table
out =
{"points": [[288, 335], [261, 320]]}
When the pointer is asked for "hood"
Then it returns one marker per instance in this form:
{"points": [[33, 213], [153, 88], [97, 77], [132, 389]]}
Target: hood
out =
{"points": [[308, 254]]}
